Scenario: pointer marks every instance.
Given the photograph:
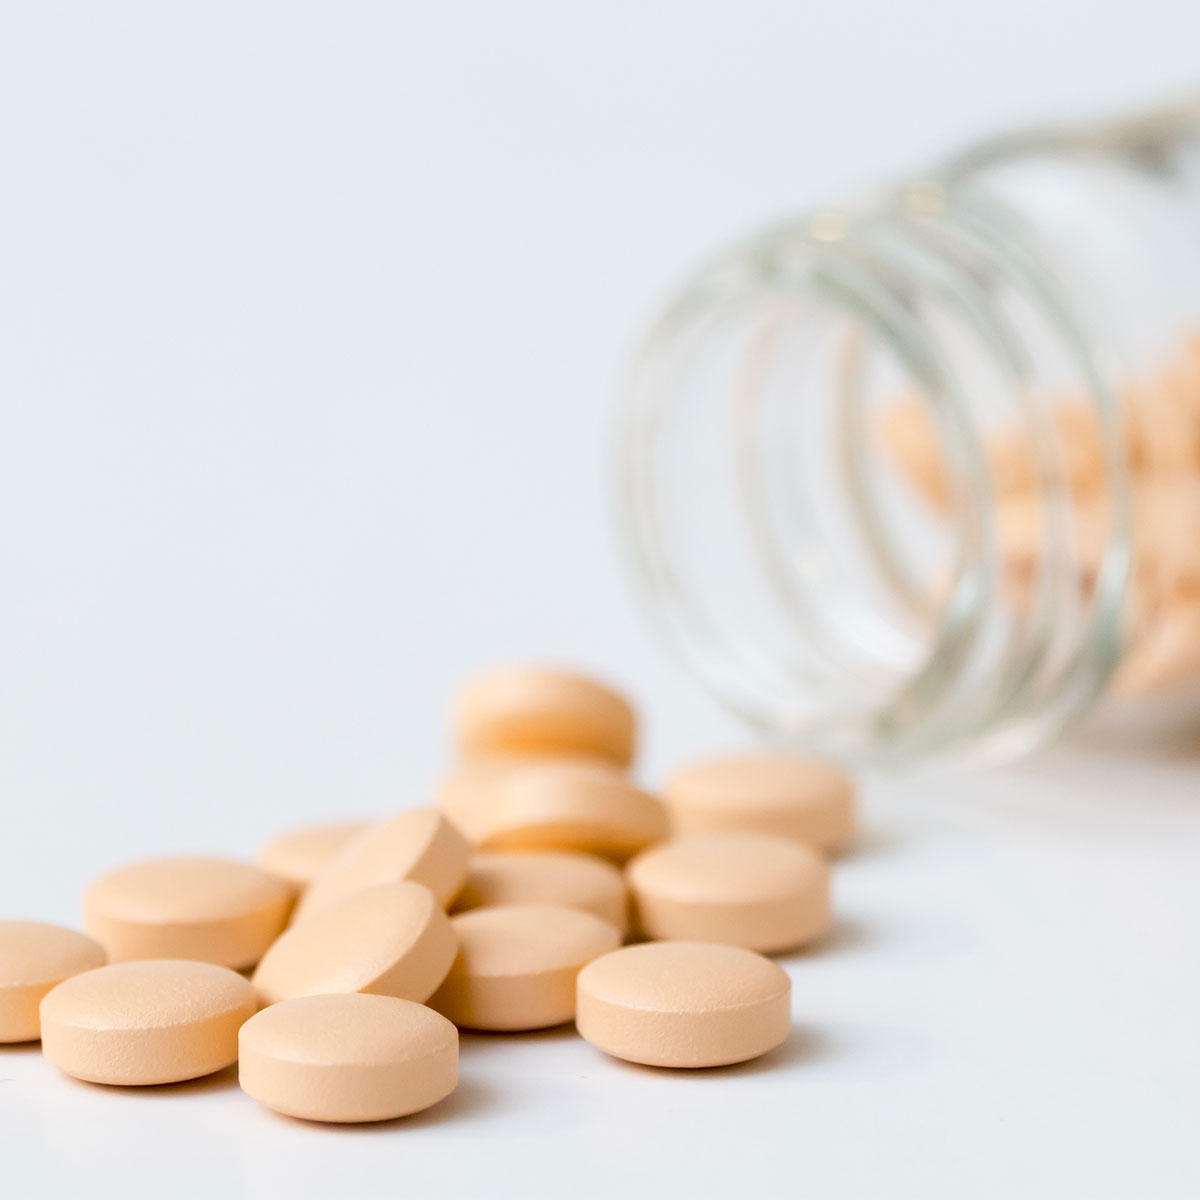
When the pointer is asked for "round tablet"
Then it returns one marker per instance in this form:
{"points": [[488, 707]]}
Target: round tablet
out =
{"points": [[744, 889], [34, 957], [153, 1021], [532, 709], [418, 844], [391, 939], [801, 798], [564, 877], [684, 1004], [467, 795], [351, 1057], [208, 909], [516, 965], [572, 806], [299, 856]]}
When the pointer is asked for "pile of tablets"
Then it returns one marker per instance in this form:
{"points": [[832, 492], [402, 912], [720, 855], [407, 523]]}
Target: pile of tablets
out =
{"points": [[338, 970], [1160, 445]]}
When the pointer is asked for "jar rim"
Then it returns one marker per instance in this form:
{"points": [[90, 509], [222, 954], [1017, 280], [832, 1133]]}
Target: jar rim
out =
{"points": [[861, 262]]}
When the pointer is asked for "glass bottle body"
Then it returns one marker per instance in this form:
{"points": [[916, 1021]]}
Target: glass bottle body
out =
{"points": [[922, 475]]}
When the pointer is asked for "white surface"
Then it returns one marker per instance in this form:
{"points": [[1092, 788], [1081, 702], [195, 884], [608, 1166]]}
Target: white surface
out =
{"points": [[313, 316], [1008, 1009]]}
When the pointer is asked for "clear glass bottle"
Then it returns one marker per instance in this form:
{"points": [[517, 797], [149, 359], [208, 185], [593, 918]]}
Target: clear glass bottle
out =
{"points": [[920, 475]]}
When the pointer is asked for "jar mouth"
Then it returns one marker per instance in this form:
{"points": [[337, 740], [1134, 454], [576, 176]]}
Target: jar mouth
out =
{"points": [[773, 540]]}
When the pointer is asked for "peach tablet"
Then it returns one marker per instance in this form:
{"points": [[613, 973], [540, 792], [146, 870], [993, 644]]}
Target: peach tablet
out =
{"points": [[34, 957], [684, 1004], [572, 806], [418, 844], [299, 856], [564, 877], [154, 1021], [345, 1058], [467, 795], [1165, 654], [516, 965], [802, 798], [391, 939], [745, 889], [907, 432], [209, 909], [535, 709]]}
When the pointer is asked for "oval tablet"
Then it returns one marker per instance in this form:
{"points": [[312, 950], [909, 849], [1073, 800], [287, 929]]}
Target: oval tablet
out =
{"points": [[744, 889], [572, 806], [302, 854], [684, 1004], [563, 877], [345, 1058], [391, 939], [534, 709], [34, 957], [207, 909], [516, 965], [418, 845], [801, 798], [153, 1021]]}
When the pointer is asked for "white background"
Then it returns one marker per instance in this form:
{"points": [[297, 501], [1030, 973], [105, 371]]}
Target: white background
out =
{"points": [[312, 319]]}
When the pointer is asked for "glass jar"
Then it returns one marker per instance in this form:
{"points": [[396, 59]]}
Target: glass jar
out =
{"points": [[920, 475]]}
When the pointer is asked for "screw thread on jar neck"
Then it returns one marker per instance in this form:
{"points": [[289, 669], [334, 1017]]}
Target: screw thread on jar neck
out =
{"points": [[821, 448]]}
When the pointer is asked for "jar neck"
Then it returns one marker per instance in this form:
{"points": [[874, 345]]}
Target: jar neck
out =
{"points": [[818, 444], [1163, 139]]}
